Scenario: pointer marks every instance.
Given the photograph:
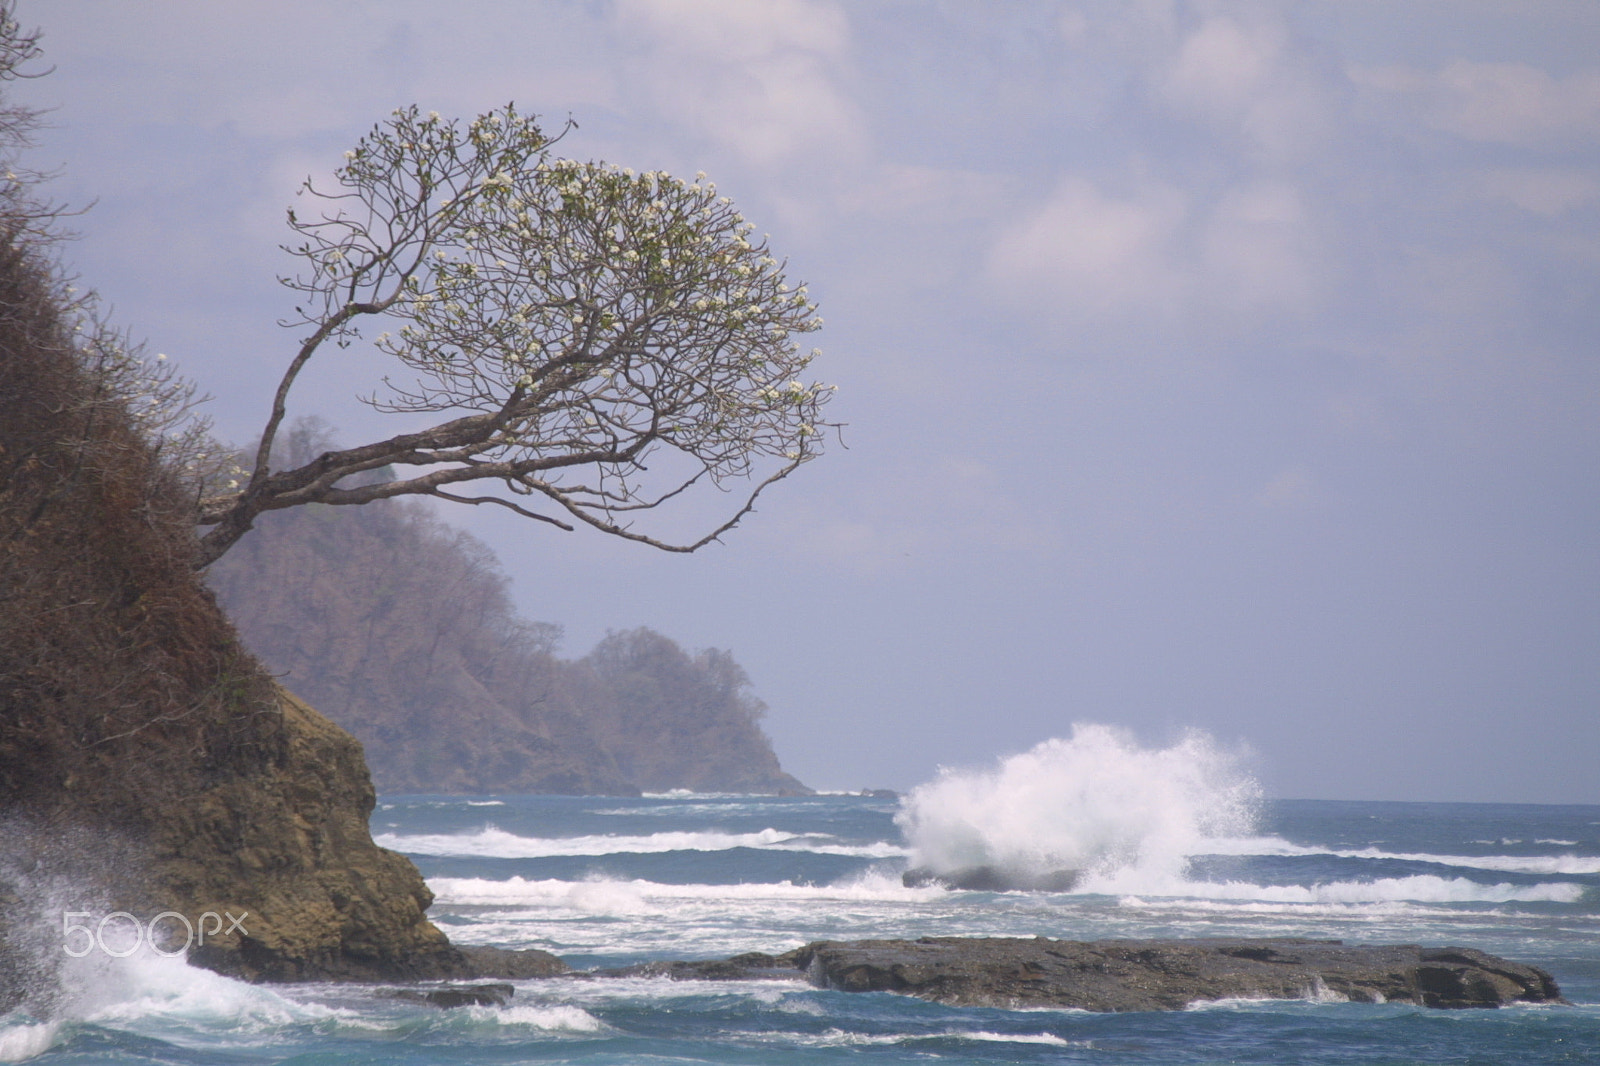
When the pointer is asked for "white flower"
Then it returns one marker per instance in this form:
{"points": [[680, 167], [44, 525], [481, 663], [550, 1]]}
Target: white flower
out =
{"points": [[349, 154]]}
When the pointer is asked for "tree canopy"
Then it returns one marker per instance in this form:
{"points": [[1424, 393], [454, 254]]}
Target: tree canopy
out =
{"points": [[593, 341]]}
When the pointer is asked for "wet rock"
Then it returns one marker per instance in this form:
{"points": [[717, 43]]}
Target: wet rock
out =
{"points": [[991, 879], [511, 965], [489, 995], [1125, 975], [751, 966], [1136, 975]]}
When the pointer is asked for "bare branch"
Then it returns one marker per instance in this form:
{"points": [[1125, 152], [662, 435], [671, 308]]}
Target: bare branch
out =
{"points": [[603, 338]]}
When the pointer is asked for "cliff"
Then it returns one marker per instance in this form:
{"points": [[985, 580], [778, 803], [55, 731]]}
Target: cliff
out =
{"points": [[147, 762]]}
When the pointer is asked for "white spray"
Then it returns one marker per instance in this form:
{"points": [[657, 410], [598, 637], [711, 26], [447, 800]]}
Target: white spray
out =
{"points": [[1121, 816]]}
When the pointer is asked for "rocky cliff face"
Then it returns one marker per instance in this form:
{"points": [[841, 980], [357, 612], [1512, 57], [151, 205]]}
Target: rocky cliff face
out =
{"points": [[290, 845], [147, 762]]}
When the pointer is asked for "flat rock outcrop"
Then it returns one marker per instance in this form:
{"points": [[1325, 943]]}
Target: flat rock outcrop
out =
{"points": [[1139, 975]]}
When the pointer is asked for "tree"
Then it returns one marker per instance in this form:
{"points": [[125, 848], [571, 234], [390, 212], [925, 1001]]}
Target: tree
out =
{"points": [[594, 341]]}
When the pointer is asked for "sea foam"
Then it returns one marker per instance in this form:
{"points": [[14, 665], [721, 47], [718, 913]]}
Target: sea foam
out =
{"points": [[493, 842], [1096, 803]]}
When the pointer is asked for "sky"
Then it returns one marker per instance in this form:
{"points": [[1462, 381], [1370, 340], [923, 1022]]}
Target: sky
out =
{"points": [[1218, 366]]}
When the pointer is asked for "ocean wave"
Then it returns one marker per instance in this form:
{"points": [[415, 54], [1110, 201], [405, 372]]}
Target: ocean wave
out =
{"points": [[637, 896], [25, 1040], [1568, 865], [1423, 888], [1094, 801], [1267, 846], [685, 793], [495, 843], [559, 1018]]}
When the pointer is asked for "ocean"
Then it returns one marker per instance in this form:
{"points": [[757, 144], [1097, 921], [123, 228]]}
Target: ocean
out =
{"points": [[604, 882]]}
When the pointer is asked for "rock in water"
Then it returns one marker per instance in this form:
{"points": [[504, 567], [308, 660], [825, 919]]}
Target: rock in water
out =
{"points": [[990, 879], [495, 995], [1135, 975], [1128, 975]]}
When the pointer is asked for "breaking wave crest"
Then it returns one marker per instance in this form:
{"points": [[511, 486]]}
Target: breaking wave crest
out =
{"points": [[1095, 803], [494, 843]]}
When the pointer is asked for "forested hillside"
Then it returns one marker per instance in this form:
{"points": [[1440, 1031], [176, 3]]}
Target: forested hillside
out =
{"points": [[401, 629]]}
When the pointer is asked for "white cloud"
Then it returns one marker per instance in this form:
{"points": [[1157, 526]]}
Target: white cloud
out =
{"points": [[1250, 77], [759, 78], [1223, 66], [1258, 249], [1086, 253], [1549, 191], [1503, 103], [1158, 252]]}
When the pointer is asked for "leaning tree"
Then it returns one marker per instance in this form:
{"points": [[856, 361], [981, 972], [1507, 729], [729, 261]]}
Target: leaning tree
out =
{"points": [[588, 342]]}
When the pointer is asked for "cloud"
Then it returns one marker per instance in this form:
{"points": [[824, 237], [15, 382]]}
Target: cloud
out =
{"points": [[1250, 78], [1501, 103], [1086, 253], [1549, 191], [1157, 251], [758, 78]]}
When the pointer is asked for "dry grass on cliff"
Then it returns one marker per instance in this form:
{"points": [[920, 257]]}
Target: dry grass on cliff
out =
{"points": [[118, 674]]}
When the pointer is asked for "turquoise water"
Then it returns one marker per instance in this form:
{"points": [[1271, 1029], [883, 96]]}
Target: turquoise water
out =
{"points": [[606, 882]]}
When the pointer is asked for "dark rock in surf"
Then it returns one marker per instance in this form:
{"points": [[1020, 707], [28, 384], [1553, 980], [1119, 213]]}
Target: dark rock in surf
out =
{"points": [[510, 965], [1139, 975], [751, 966], [991, 879], [495, 995]]}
